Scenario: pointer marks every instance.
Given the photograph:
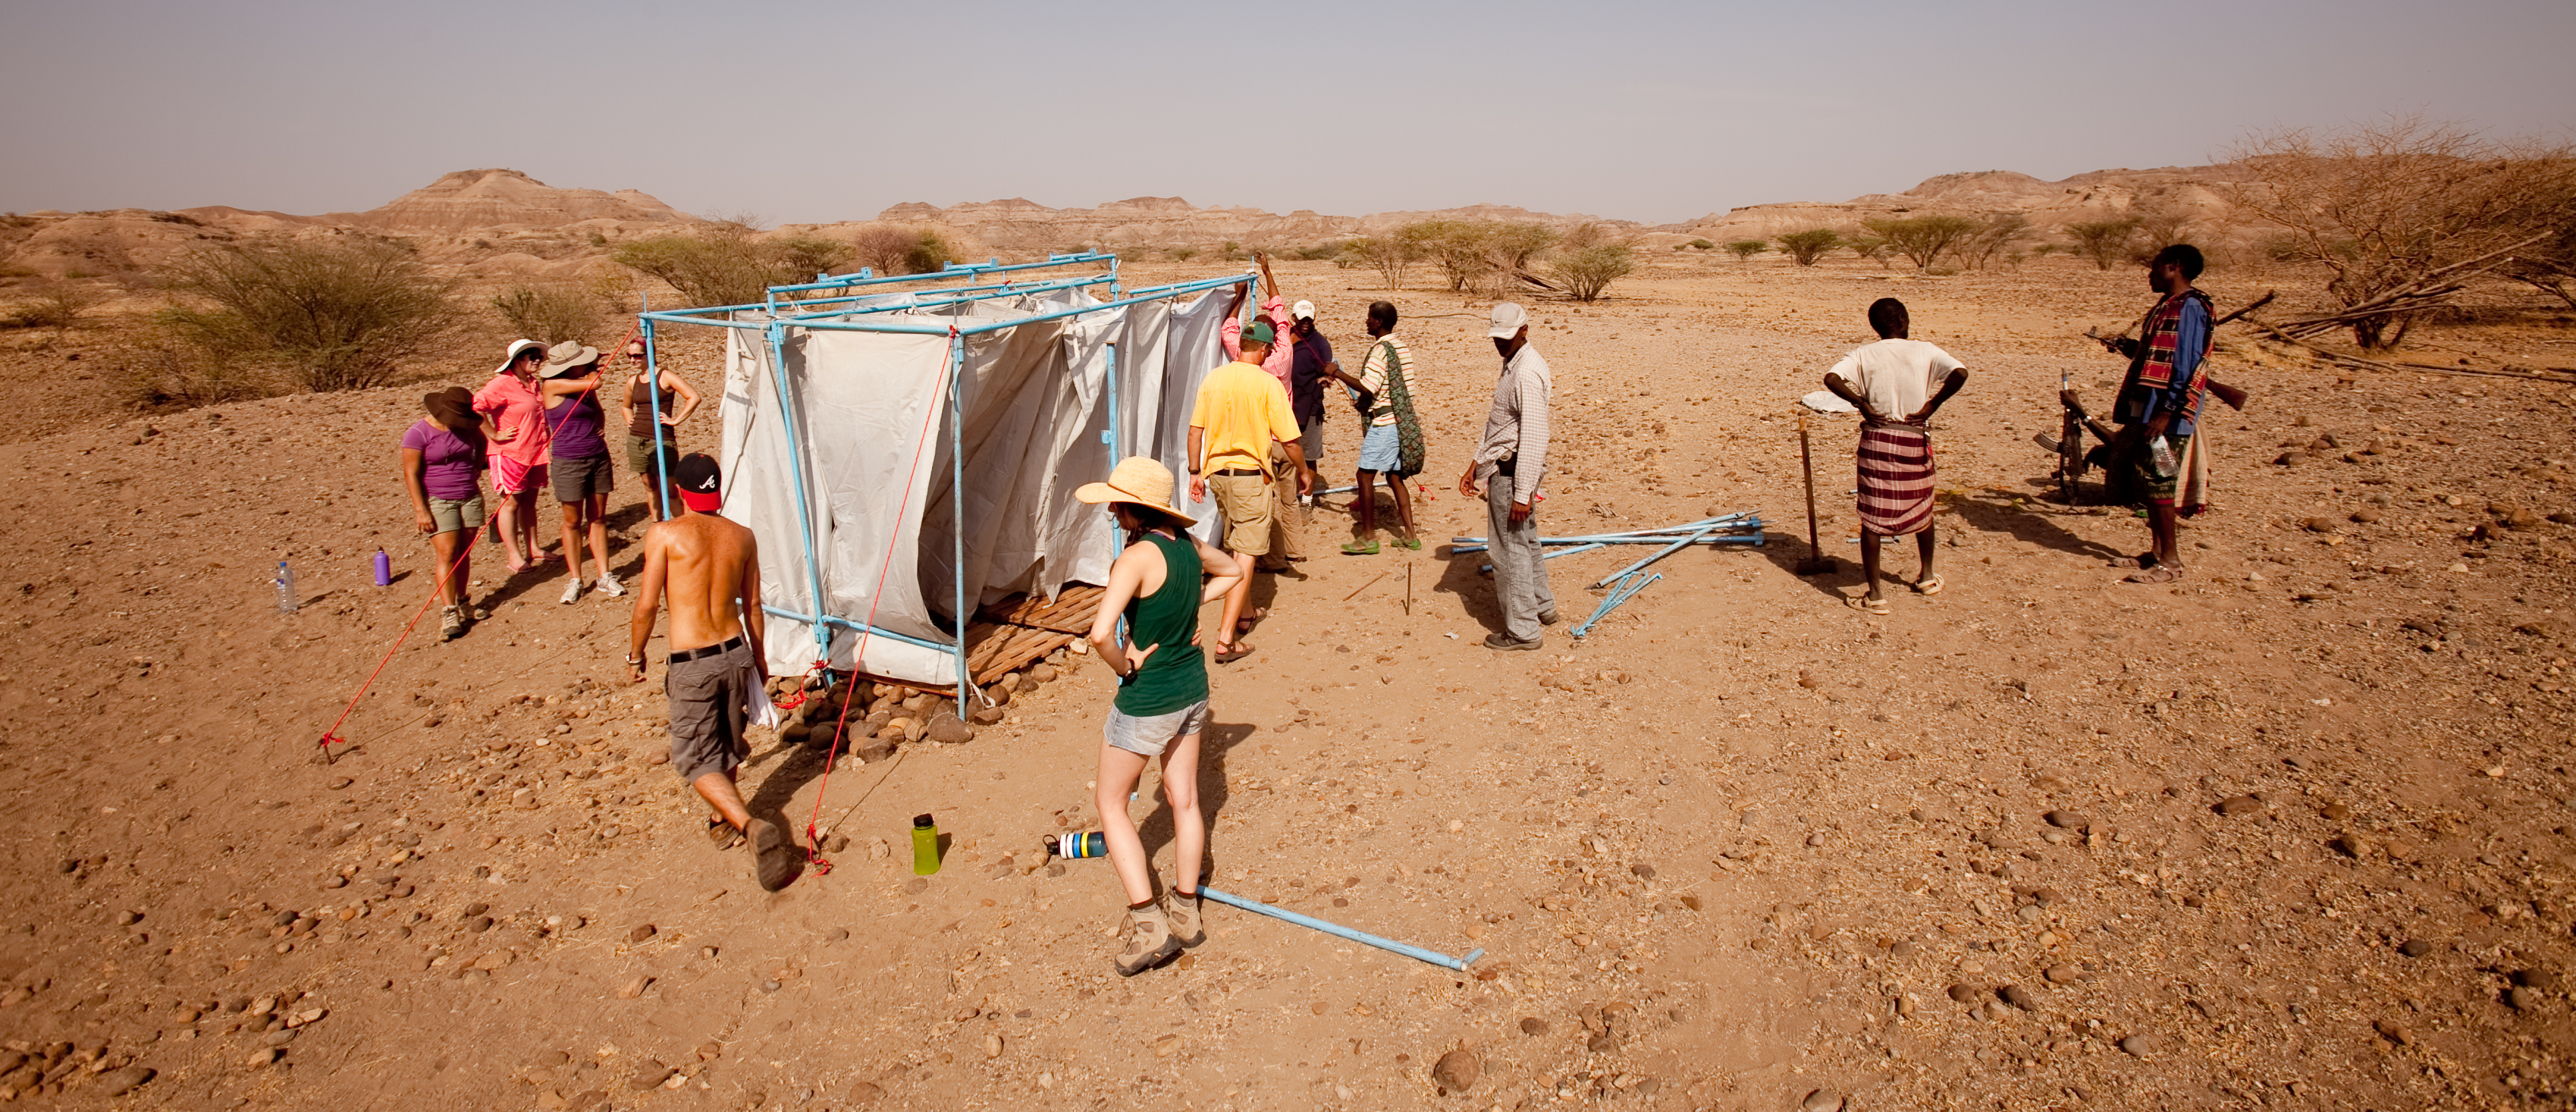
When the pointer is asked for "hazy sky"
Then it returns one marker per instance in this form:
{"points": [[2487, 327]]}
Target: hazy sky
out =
{"points": [[822, 111]]}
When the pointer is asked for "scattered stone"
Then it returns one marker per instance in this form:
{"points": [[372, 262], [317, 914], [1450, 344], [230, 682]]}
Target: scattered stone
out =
{"points": [[1967, 994], [2018, 997], [1456, 1072], [1822, 1100], [992, 1046], [2365, 517], [1533, 1026], [2238, 805], [1643, 871], [2522, 999], [634, 988], [2068, 820], [640, 933], [2541, 980], [2063, 973], [2351, 845], [2393, 1032], [118, 1082], [2138, 1046], [2415, 947], [2318, 525], [649, 1074], [864, 1093], [1816, 839]]}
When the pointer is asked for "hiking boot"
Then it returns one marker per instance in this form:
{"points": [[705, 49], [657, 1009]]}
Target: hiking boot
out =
{"points": [[1504, 642], [1183, 911], [773, 861], [1149, 941], [572, 592], [608, 585], [1550, 618], [451, 623]]}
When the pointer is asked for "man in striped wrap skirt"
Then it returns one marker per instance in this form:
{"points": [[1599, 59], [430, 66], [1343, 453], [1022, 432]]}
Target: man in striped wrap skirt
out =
{"points": [[2160, 399], [1896, 383]]}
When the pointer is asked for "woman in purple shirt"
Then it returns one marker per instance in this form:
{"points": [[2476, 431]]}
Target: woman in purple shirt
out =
{"points": [[442, 463], [575, 424]]}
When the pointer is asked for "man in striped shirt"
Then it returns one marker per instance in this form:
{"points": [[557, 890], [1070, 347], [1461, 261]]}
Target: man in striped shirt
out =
{"points": [[1510, 463], [1387, 368]]}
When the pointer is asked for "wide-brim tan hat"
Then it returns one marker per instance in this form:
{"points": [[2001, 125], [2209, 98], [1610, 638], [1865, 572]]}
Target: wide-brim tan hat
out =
{"points": [[516, 346], [562, 358], [1138, 480]]}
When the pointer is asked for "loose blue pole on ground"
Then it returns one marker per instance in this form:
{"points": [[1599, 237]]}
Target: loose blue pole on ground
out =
{"points": [[1543, 556], [1660, 553], [1623, 594], [1755, 539], [796, 468], [1664, 532], [1337, 930]]}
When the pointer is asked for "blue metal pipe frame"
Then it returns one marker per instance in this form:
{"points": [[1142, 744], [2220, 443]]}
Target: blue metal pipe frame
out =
{"points": [[775, 330], [1659, 554], [1625, 592]]}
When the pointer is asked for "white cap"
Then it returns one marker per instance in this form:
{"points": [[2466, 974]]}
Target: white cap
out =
{"points": [[1303, 310], [1509, 319]]}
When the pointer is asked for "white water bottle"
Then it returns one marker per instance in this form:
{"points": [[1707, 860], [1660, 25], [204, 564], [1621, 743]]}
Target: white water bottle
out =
{"points": [[285, 588], [2160, 456]]}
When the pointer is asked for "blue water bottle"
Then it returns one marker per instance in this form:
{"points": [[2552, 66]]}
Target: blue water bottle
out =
{"points": [[384, 569]]}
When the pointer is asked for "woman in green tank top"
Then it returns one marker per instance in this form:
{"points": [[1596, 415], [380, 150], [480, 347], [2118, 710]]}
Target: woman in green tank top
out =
{"points": [[1156, 586]]}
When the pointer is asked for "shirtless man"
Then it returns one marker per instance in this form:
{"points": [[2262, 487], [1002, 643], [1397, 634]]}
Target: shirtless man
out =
{"points": [[712, 570]]}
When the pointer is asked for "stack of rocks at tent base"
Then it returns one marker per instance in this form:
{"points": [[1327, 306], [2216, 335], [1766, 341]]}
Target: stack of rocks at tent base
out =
{"points": [[881, 716]]}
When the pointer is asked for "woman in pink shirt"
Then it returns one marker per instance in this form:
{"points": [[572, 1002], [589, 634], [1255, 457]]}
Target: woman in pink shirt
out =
{"points": [[517, 432]]}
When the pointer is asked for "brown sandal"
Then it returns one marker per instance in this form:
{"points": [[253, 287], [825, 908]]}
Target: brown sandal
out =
{"points": [[1234, 652], [2161, 573]]}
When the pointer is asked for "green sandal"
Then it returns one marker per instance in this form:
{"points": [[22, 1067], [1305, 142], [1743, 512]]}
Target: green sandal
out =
{"points": [[1411, 544], [1360, 548]]}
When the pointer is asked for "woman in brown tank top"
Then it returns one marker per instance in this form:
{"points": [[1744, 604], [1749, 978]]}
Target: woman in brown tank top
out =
{"points": [[640, 438]]}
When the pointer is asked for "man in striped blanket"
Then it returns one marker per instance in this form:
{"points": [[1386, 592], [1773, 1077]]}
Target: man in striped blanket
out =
{"points": [[1896, 383], [2160, 399]]}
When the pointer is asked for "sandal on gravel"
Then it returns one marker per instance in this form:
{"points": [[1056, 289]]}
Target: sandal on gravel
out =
{"points": [[1867, 604], [1245, 623], [1409, 544], [1360, 548], [1231, 653], [1929, 585], [773, 856], [2161, 573], [2139, 562]]}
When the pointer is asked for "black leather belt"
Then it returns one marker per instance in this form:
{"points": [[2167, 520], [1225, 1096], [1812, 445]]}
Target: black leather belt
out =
{"points": [[1238, 471], [727, 646]]}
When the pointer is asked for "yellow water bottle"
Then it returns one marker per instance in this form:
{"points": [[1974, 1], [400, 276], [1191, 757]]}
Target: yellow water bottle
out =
{"points": [[925, 846]]}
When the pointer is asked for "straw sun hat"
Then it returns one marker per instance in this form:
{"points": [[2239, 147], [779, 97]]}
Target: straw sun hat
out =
{"points": [[1136, 480]]}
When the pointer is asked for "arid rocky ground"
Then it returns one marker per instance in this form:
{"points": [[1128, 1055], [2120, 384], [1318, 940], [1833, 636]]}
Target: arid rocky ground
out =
{"points": [[2290, 833]]}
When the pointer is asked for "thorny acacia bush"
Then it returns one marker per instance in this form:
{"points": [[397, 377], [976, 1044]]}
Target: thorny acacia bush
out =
{"points": [[1390, 254], [1806, 247], [1745, 249], [552, 312], [1922, 238], [2104, 241], [55, 305], [1995, 238], [1586, 272], [326, 314], [728, 263], [2402, 205]]}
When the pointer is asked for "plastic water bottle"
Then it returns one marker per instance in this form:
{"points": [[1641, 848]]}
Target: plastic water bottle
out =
{"points": [[285, 588], [2160, 455], [925, 846], [1086, 844], [384, 569]]}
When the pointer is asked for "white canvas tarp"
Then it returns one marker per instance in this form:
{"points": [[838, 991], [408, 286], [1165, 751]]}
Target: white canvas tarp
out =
{"points": [[871, 421]]}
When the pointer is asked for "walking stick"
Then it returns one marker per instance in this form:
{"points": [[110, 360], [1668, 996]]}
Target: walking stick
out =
{"points": [[1816, 561]]}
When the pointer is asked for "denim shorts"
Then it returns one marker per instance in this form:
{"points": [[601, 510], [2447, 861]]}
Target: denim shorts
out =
{"points": [[1379, 449], [1150, 735]]}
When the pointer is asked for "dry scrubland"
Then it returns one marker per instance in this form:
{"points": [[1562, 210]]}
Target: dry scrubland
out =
{"points": [[2288, 834]]}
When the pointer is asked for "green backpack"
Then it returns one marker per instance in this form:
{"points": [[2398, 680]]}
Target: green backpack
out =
{"points": [[1408, 428]]}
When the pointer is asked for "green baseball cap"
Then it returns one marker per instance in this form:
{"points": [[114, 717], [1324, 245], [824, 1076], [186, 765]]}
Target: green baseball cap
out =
{"points": [[1260, 331]]}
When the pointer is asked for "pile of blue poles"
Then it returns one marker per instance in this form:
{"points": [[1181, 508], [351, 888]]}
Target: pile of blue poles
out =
{"points": [[1742, 527]]}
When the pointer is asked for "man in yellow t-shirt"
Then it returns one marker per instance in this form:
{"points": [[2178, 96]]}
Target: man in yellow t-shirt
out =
{"points": [[1241, 412]]}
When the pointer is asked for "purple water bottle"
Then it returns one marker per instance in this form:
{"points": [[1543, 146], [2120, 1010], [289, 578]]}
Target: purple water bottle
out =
{"points": [[384, 569]]}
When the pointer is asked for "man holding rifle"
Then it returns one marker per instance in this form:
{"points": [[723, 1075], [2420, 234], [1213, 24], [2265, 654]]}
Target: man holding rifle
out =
{"points": [[2160, 401]]}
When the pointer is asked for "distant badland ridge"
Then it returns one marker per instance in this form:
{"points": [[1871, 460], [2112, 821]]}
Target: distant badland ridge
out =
{"points": [[506, 222]]}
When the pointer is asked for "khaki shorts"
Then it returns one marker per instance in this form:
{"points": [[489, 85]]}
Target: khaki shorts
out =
{"points": [[1245, 501], [639, 455], [708, 722], [458, 515], [1150, 735]]}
